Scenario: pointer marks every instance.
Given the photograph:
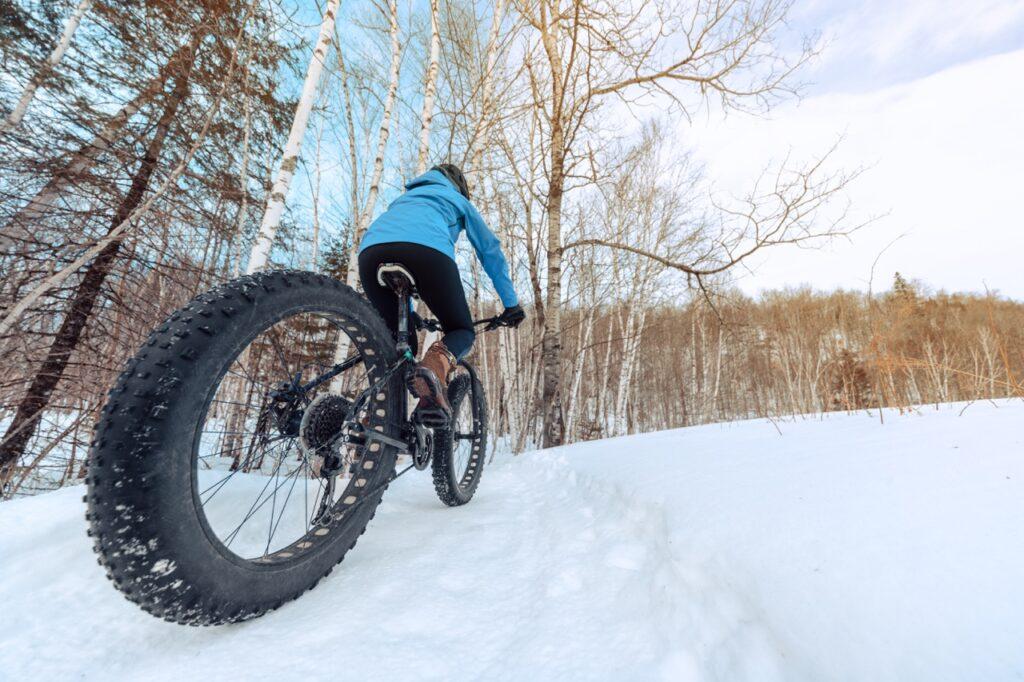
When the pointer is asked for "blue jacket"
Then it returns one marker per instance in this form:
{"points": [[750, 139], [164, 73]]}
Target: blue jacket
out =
{"points": [[432, 213]]}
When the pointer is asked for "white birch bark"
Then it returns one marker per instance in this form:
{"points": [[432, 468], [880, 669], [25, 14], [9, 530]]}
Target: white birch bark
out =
{"points": [[476, 147], [363, 218], [630, 346], [718, 373], [366, 213], [574, 407], [350, 129], [603, 374], [264, 242], [429, 90], [40, 76], [314, 255]]}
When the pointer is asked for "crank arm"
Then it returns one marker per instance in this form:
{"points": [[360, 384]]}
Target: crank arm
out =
{"points": [[373, 434]]}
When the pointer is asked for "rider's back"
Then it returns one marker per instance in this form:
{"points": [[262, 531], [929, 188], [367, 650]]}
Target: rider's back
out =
{"points": [[432, 213]]}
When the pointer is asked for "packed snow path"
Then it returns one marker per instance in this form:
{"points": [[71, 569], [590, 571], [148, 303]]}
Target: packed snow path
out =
{"points": [[838, 549]]}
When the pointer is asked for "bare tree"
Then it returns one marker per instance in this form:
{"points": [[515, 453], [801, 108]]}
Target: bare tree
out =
{"points": [[591, 50], [383, 133], [43, 202], [27, 415], [39, 77]]}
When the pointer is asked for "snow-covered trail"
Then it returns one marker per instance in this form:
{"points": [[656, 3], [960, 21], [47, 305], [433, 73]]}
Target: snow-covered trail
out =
{"points": [[841, 549]]}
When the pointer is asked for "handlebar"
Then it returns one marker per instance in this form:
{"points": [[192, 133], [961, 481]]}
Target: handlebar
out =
{"points": [[430, 324]]}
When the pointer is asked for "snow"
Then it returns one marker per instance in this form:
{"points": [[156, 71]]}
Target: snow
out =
{"points": [[840, 548]]}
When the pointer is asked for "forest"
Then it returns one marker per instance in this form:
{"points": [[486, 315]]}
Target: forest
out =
{"points": [[152, 149]]}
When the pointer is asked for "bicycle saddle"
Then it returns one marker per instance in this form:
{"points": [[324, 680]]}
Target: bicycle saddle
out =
{"points": [[396, 277]]}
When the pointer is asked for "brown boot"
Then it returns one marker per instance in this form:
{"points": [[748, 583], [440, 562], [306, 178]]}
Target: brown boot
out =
{"points": [[429, 380]]}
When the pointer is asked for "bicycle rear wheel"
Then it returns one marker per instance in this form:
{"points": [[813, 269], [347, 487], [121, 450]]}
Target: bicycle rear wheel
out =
{"points": [[216, 490]]}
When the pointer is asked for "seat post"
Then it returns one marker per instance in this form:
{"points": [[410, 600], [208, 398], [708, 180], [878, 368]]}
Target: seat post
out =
{"points": [[397, 278], [404, 348]]}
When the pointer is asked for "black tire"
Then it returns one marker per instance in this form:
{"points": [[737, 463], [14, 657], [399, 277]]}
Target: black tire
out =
{"points": [[458, 463], [147, 524]]}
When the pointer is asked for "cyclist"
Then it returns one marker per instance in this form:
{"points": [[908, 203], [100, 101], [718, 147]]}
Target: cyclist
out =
{"points": [[419, 230]]}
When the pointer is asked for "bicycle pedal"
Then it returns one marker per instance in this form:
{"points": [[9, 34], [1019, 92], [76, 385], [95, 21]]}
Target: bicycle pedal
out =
{"points": [[431, 417]]}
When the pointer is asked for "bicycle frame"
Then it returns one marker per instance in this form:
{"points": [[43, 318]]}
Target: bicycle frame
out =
{"points": [[403, 336]]}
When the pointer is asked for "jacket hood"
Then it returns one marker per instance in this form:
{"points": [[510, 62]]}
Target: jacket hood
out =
{"points": [[431, 177]]}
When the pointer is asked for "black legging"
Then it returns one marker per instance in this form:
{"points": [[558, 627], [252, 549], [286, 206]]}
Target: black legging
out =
{"points": [[439, 285]]}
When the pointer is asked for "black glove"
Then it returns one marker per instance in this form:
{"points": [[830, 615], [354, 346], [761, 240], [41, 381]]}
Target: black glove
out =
{"points": [[512, 317]]}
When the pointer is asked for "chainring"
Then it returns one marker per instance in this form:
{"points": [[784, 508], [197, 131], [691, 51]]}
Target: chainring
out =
{"points": [[424, 449]]}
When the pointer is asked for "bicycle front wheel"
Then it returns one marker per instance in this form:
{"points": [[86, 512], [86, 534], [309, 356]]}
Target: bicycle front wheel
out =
{"points": [[216, 487], [460, 449]]}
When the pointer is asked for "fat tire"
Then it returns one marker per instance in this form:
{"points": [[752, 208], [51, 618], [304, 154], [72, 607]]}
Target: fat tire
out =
{"points": [[148, 529], [451, 490]]}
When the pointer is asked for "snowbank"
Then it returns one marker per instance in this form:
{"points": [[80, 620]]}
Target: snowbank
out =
{"points": [[838, 549]]}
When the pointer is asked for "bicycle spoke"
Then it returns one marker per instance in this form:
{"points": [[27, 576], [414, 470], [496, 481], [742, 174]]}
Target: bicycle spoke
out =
{"points": [[255, 507], [221, 482], [280, 516], [273, 508], [256, 517], [226, 452]]}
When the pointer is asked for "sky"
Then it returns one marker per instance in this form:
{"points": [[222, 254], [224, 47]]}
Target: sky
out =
{"points": [[928, 98]]}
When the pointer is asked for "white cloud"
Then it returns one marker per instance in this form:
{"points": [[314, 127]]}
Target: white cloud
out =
{"points": [[878, 42], [947, 166]]}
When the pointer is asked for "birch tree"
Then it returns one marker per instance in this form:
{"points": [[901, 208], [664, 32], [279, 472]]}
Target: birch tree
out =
{"points": [[13, 119], [482, 127], [590, 50], [429, 90], [364, 214], [383, 133], [264, 242]]}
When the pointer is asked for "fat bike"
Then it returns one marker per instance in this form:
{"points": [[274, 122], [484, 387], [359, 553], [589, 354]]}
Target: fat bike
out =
{"points": [[247, 445]]}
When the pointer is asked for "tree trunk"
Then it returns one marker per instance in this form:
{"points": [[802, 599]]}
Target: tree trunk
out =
{"points": [[235, 243], [429, 89], [575, 408], [551, 346], [352, 277], [14, 118], [353, 153], [480, 133], [363, 220], [37, 397], [260, 254]]}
